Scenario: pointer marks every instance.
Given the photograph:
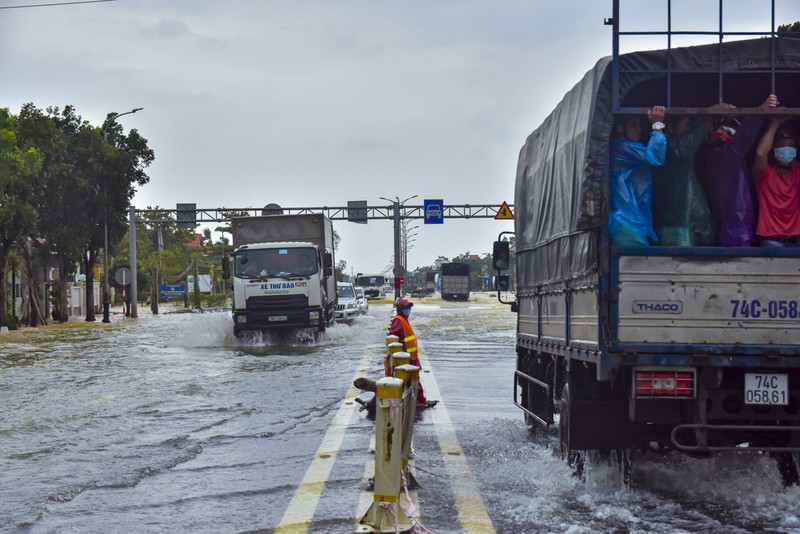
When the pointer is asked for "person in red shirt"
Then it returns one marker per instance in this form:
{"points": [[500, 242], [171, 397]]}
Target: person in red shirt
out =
{"points": [[401, 328], [777, 176]]}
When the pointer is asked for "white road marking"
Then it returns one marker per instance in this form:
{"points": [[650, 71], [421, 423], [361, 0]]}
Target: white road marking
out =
{"points": [[300, 512], [469, 504]]}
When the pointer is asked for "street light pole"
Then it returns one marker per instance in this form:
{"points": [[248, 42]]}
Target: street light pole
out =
{"points": [[399, 270], [106, 299]]}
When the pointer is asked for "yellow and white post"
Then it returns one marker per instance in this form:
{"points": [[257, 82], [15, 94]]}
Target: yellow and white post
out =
{"points": [[385, 513], [409, 374], [399, 358], [392, 345]]}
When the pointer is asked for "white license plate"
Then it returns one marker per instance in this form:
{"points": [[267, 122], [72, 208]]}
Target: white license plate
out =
{"points": [[761, 388], [276, 318]]}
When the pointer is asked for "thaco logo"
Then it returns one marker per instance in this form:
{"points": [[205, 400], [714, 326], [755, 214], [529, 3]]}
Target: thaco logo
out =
{"points": [[657, 306]]}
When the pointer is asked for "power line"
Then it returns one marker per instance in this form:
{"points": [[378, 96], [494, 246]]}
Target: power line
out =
{"points": [[57, 4]]}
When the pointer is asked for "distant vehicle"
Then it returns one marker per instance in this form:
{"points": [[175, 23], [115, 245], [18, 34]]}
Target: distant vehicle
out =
{"points": [[347, 307], [282, 272], [454, 281], [361, 301], [373, 285], [430, 281]]}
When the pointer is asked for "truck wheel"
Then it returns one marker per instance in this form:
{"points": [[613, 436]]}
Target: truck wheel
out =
{"points": [[573, 457]]}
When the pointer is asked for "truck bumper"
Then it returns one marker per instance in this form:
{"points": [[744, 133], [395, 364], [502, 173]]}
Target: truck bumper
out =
{"points": [[244, 320]]}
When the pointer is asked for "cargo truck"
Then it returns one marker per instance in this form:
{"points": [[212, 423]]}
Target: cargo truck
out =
{"points": [[373, 285], [282, 273], [665, 348], [454, 281]]}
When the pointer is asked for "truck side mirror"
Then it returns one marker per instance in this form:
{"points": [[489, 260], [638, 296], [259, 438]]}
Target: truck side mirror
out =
{"points": [[502, 282], [327, 263], [226, 268], [500, 255]]}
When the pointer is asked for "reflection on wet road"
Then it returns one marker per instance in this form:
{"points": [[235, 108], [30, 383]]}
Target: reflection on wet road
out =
{"points": [[170, 424]]}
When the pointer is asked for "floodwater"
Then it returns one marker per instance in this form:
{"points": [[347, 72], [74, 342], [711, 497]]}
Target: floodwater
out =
{"points": [[169, 423]]}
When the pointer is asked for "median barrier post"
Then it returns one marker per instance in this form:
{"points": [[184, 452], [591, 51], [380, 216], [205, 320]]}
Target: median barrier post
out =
{"points": [[398, 359], [385, 513], [409, 374], [392, 346]]}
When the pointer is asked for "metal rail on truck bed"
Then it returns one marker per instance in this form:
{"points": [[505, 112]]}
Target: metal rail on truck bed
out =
{"points": [[721, 68]]}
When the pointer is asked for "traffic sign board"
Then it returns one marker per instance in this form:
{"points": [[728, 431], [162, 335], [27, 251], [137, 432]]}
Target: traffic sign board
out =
{"points": [[123, 276], [433, 211], [504, 212]]}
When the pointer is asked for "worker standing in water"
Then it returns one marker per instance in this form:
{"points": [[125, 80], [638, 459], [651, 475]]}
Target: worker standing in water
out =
{"points": [[401, 328]]}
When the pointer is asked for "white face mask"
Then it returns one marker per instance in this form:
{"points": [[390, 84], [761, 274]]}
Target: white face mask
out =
{"points": [[785, 155]]}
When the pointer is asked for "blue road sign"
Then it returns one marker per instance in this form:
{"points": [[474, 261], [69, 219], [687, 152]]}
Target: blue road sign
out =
{"points": [[434, 211]]}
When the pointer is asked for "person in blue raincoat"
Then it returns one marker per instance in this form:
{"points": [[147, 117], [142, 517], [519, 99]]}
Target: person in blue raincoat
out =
{"points": [[630, 219]]}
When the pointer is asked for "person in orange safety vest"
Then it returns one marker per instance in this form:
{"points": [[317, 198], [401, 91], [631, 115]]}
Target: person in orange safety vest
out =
{"points": [[401, 328]]}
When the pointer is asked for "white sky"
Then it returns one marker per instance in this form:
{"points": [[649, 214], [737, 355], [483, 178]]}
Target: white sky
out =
{"points": [[314, 103]]}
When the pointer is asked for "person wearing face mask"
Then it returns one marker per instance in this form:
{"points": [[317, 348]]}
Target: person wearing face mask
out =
{"points": [[777, 176], [401, 328]]}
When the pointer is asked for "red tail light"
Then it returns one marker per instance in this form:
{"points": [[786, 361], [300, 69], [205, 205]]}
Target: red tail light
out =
{"points": [[664, 382]]}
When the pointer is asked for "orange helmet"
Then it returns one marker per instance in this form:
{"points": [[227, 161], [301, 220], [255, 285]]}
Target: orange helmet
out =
{"points": [[402, 304]]}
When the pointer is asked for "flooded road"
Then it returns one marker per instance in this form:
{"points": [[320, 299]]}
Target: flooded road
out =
{"points": [[169, 423]]}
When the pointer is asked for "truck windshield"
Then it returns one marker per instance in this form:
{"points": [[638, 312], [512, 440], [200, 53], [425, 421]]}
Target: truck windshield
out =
{"points": [[345, 291], [275, 262], [371, 281]]}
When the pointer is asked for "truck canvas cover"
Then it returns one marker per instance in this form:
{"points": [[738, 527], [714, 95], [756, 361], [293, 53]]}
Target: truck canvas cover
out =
{"points": [[561, 185]]}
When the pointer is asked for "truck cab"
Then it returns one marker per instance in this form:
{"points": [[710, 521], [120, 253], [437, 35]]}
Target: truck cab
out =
{"points": [[280, 285], [280, 282]]}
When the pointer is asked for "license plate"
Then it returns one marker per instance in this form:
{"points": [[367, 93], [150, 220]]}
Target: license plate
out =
{"points": [[760, 388], [276, 318]]}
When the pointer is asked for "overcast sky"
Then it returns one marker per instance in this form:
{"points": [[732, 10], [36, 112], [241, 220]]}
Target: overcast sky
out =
{"points": [[314, 103]]}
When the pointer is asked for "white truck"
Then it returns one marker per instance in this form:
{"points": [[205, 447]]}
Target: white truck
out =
{"points": [[282, 273]]}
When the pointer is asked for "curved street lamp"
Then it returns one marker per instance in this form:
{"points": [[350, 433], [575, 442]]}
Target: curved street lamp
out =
{"points": [[112, 118]]}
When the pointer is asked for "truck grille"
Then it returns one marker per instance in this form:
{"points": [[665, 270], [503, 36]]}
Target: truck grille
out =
{"points": [[277, 302]]}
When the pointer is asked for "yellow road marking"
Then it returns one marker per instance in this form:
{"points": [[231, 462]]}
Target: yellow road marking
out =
{"points": [[469, 504], [300, 512]]}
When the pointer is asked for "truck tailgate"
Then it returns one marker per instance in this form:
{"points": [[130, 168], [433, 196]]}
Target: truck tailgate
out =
{"points": [[735, 300]]}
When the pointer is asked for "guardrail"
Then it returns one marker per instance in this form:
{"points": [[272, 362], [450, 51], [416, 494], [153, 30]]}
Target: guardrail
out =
{"points": [[395, 408]]}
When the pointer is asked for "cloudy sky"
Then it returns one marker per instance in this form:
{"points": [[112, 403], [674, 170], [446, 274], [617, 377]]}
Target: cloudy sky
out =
{"points": [[314, 103]]}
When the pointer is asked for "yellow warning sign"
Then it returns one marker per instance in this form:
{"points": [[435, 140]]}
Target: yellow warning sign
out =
{"points": [[504, 212]]}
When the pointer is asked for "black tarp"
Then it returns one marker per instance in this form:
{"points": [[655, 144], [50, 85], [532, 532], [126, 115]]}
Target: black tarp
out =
{"points": [[560, 192]]}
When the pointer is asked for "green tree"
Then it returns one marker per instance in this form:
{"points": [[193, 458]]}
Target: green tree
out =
{"points": [[56, 191], [87, 180], [341, 268], [790, 28], [18, 168]]}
